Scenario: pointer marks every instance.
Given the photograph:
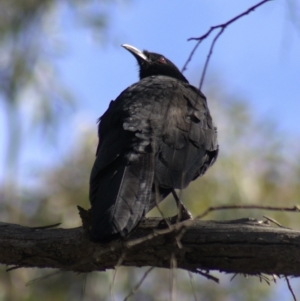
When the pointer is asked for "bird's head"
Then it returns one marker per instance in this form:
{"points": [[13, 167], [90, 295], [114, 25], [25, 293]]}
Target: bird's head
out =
{"points": [[151, 63]]}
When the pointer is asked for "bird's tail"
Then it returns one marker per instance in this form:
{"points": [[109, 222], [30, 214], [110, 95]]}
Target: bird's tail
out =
{"points": [[122, 196]]}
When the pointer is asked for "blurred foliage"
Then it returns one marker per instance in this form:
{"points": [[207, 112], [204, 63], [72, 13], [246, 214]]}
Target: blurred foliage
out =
{"points": [[254, 166], [33, 94]]}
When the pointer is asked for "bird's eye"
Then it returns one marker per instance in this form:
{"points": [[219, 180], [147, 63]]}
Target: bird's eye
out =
{"points": [[162, 60]]}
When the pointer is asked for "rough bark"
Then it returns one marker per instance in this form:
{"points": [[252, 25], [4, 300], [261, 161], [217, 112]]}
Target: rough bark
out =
{"points": [[239, 246]]}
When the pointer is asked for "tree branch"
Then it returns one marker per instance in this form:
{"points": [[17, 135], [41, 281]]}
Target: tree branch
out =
{"points": [[239, 246], [221, 28]]}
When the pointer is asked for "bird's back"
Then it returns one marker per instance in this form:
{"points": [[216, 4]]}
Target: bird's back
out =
{"points": [[156, 136]]}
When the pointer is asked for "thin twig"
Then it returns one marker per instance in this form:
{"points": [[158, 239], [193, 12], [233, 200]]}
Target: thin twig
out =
{"points": [[82, 291], [265, 278], [190, 56], [46, 227], [192, 284], [274, 222], [206, 275], [208, 57], [179, 205], [173, 266], [295, 208], [134, 290], [167, 221], [36, 280], [180, 234], [137, 241], [222, 27], [161, 213], [290, 288], [15, 267], [119, 263]]}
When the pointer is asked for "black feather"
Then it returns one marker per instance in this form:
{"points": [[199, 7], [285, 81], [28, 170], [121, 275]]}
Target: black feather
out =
{"points": [[157, 136]]}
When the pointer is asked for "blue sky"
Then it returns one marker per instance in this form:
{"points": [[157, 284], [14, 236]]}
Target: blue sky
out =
{"points": [[257, 57]]}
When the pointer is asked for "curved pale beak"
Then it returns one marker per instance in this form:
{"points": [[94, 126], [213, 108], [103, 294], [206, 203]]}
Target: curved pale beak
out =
{"points": [[138, 54]]}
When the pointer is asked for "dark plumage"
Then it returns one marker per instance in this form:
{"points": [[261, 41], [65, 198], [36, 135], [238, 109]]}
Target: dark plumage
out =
{"points": [[157, 136]]}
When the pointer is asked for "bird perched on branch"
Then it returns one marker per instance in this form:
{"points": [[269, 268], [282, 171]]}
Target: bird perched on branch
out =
{"points": [[157, 136]]}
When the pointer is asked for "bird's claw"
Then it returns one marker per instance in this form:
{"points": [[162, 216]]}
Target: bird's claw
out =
{"points": [[182, 215]]}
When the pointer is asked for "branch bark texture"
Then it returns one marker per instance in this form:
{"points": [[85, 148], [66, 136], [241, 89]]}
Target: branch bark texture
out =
{"points": [[239, 246]]}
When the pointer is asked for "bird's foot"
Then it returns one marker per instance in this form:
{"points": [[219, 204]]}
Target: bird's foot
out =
{"points": [[182, 215]]}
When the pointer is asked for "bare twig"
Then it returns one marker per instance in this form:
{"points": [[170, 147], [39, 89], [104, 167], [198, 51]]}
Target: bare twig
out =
{"points": [[192, 284], [274, 222], [47, 227], [206, 275], [173, 266], [222, 27], [137, 241], [36, 280], [15, 267], [290, 288], [209, 55], [119, 263], [82, 291], [167, 221], [161, 213], [134, 290], [261, 277], [265, 278], [295, 208]]}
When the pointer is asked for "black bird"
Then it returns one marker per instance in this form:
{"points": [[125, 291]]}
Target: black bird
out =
{"points": [[157, 136]]}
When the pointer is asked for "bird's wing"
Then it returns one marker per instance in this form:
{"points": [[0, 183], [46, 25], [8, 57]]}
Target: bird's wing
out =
{"points": [[184, 139], [189, 138], [122, 175]]}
